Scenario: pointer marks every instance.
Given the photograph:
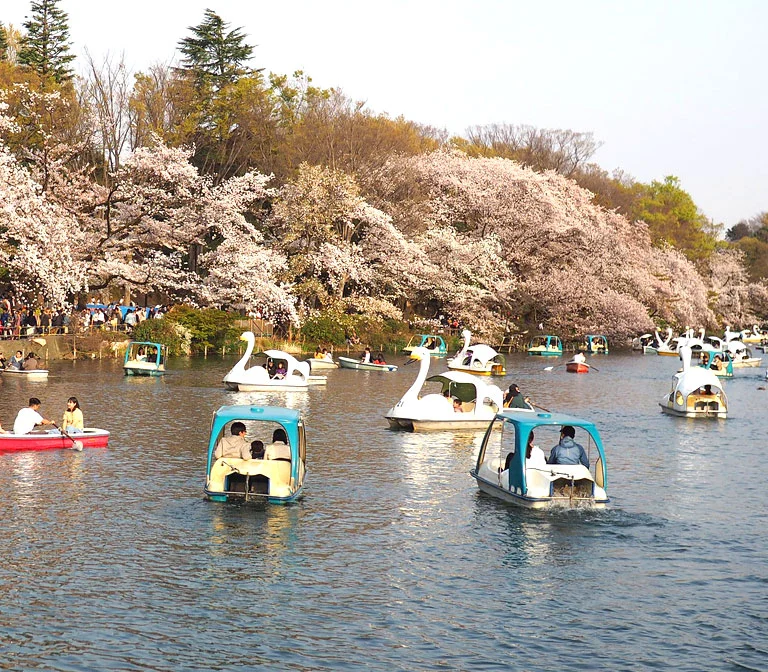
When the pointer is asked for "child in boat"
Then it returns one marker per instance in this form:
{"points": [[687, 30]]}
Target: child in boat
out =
{"points": [[457, 408], [281, 370], [379, 358], [72, 421]]}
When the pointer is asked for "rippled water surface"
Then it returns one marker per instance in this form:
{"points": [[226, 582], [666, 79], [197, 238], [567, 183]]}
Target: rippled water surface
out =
{"points": [[112, 560]]}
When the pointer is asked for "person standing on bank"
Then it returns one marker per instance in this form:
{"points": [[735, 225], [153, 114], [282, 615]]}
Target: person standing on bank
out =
{"points": [[28, 418]]}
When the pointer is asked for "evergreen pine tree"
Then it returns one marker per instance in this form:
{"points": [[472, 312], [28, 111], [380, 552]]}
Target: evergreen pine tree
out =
{"points": [[45, 47], [214, 56]]}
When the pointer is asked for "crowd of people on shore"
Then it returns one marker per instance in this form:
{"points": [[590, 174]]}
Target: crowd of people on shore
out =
{"points": [[30, 417], [23, 321]]}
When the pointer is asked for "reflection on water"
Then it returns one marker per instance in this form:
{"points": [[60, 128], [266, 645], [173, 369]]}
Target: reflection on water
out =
{"points": [[114, 561]]}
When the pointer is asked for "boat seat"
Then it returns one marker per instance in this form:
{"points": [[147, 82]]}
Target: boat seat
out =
{"points": [[278, 472]]}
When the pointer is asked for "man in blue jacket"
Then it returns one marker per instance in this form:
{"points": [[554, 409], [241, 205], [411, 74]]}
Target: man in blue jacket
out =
{"points": [[568, 451]]}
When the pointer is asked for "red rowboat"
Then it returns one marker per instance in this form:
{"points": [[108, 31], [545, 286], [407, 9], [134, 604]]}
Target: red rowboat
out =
{"points": [[90, 438], [577, 367]]}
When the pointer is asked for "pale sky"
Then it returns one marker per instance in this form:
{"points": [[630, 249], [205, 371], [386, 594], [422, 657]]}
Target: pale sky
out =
{"points": [[671, 87]]}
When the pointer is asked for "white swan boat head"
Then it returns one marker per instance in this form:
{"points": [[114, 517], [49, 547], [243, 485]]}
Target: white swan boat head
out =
{"points": [[479, 401]]}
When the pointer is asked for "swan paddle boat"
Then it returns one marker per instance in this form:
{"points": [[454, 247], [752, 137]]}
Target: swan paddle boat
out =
{"points": [[433, 343], [546, 346], [640, 343], [143, 358], [696, 392], [595, 344], [53, 440], [479, 401], [269, 376], [351, 363], [742, 355], [33, 374], [278, 480], [478, 359], [504, 471]]}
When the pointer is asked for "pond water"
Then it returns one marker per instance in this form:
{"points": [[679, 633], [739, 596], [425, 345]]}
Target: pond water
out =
{"points": [[112, 559]]}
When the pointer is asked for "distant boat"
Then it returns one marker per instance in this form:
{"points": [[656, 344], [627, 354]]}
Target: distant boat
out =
{"points": [[33, 374], [433, 343], [350, 363], [545, 346], [596, 344], [43, 440], [478, 359], [696, 392], [144, 358]]}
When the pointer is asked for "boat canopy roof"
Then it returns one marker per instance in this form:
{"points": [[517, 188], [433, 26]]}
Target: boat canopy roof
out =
{"points": [[483, 353], [546, 339], [694, 378], [466, 387], [289, 418], [145, 343], [425, 337], [532, 420]]}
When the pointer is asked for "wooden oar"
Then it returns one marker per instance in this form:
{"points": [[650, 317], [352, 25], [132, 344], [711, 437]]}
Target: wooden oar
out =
{"points": [[76, 445], [541, 408], [593, 367], [549, 368]]}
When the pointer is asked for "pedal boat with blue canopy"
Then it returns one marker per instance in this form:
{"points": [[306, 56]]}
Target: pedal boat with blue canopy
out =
{"points": [[277, 481], [143, 358], [546, 346], [596, 344], [503, 471], [433, 343]]}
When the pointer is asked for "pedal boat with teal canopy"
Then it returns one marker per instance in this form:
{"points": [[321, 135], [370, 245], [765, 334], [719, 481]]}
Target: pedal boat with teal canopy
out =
{"points": [[546, 346], [503, 471], [596, 344], [277, 481], [144, 358], [434, 343]]}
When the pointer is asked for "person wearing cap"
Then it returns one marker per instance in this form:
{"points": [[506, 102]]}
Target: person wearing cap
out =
{"points": [[513, 398]]}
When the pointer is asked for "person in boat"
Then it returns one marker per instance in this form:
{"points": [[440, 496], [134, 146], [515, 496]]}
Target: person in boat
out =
{"points": [[16, 361], [707, 390], [142, 355], [257, 450], [704, 360], [319, 353], [534, 456], [72, 421], [271, 367], [327, 355], [429, 344], [513, 398], [717, 363], [235, 445], [567, 451], [280, 371], [28, 418], [579, 358], [379, 358], [366, 358], [30, 363], [457, 407], [278, 449]]}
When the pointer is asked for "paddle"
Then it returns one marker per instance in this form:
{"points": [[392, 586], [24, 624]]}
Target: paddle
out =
{"points": [[76, 445], [549, 368], [541, 408]]}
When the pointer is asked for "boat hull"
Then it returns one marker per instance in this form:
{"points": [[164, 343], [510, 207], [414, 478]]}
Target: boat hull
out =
{"points": [[276, 386], [90, 438], [356, 364], [35, 374], [697, 413], [752, 362], [318, 364], [577, 367], [536, 502], [490, 370], [546, 353]]}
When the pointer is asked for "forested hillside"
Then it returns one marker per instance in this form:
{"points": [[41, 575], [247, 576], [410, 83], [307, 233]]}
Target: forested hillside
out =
{"points": [[213, 181]]}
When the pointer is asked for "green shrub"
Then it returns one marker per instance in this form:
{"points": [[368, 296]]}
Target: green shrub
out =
{"points": [[207, 328], [165, 332], [324, 328]]}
